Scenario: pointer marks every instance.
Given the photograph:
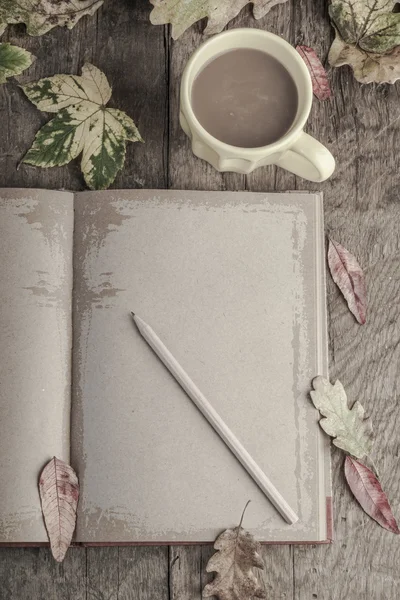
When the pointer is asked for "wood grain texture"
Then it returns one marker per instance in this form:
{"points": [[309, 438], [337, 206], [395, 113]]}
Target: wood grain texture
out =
{"points": [[102, 573], [278, 574], [143, 573], [361, 126], [33, 573], [185, 568]]}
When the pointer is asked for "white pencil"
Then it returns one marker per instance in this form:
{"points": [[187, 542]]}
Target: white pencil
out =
{"points": [[215, 420]]}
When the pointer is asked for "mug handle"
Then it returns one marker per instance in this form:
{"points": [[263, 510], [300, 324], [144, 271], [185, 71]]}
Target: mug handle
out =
{"points": [[308, 158]]}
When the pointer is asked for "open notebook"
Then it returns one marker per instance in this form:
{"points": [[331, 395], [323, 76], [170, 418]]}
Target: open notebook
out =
{"points": [[233, 283]]}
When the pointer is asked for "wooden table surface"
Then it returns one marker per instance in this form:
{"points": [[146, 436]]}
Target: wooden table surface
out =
{"points": [[361, 126]]}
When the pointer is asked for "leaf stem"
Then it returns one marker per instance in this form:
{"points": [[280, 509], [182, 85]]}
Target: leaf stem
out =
{"points": [[372, 464], [244, 510]]}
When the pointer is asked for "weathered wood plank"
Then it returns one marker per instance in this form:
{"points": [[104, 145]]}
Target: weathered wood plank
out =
{"points": [[143, 573], [102, 573], [361, 127], [278, 574], [32, 573], [185, 563]]}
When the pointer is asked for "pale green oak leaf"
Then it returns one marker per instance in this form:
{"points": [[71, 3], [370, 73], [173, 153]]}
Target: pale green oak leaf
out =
{"points": [[83, 124], [368, 67], [40, 16], [370, 25], [349, 428], [184, 13], [13, 61]]}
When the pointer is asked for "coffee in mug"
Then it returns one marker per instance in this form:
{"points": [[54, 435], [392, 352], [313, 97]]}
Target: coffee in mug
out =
{"points": [[245, 98]]}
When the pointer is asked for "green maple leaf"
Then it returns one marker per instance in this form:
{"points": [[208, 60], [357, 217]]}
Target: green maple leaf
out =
{"points": [[183, 13], [370, 25], [13, 61], [83, 124], [42, 15]]}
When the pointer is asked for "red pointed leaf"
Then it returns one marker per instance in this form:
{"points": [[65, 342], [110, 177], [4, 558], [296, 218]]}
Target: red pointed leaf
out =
{"points": [[368, 492], [319, 78], [59, 493], [348, 276]]}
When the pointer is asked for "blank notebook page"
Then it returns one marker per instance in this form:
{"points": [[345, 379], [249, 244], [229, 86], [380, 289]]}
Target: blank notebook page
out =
{"points": [[233, 283]]}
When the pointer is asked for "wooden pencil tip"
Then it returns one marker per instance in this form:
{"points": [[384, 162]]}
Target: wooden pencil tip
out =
{"points": [[133, 315]]}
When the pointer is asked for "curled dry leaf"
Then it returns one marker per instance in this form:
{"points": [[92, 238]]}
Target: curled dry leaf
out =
{"points": [[184, 13], [352, 432], [371, 25], [367, 66], [349, 277], [319, 78], [40, 16], [238, 554], [13, 61], [83, 124], [59, 493], [367, 38], [368, 492]]}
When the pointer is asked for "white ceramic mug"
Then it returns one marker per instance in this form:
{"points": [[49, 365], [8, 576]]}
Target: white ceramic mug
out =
{"points": [[296, 151]]}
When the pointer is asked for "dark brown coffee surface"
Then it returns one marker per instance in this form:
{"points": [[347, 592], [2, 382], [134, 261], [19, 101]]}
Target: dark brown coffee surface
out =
{"points": [[245, 98]]}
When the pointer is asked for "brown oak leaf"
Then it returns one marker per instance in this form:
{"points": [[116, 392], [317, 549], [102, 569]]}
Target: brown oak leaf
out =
{"points": [[238, 554]]}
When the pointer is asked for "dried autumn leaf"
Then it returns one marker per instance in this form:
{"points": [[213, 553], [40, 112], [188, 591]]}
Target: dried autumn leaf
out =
{"points": [[367, 37], [238, 554], [40, 16], [13, 61], [352, 432], [184, 13], [348, 276], [319, 78], [59, 493], [83, 125], [371, 25], [368, 492], [367, 66]]}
